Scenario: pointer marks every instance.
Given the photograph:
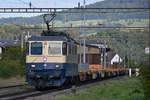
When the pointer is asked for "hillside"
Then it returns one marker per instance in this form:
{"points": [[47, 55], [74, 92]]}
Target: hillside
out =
{"points": [[121, 4], [102, 4]]}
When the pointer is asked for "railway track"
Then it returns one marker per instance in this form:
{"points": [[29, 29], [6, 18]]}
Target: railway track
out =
{"points": [[32, 94], [12, 86], [27, 93]]}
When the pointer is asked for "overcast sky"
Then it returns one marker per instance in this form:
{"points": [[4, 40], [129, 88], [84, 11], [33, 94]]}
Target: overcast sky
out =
{"points": [[40, 3]]}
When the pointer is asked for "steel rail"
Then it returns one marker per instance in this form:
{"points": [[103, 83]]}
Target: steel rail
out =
{"points": [[13, 86]]}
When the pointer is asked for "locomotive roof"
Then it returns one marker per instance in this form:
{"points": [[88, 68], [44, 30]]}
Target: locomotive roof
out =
{"points": [[48, 38], [51, 35], [58, 38]]}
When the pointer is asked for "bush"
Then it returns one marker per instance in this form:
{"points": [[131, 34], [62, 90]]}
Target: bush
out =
{"points": [[12, 53], [10, 68], [11, 64], [146, 81], [145, 78]]}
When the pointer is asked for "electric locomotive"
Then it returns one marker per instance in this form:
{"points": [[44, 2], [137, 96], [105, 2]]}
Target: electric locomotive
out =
{"points": [[51, 60]]}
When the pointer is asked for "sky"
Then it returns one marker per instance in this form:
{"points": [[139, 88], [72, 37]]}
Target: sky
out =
{"points": [[39, 3]]}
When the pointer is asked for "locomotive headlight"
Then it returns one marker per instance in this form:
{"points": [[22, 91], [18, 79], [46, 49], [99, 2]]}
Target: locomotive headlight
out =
{"points": [[57, 66], [33, 66], [45, 65]]}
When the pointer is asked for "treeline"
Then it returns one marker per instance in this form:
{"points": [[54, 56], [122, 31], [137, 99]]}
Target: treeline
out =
{"points": [[130, 44], [10, 32], [14, 31]]}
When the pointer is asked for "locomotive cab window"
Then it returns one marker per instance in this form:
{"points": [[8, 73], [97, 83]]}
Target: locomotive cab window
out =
{"points": [[64, 48], [36, 48], [55, 48]]}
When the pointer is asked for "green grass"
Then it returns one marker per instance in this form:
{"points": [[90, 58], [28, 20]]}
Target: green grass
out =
{"points": [[123, 89]]}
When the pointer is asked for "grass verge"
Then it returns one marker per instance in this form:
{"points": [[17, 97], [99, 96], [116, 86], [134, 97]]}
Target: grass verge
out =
{"points": [[122, 89]]}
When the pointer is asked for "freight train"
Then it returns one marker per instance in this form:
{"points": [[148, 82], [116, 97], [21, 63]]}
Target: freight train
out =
{"points": [[55, 59]]}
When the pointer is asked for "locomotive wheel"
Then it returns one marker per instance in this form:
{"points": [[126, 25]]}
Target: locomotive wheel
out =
{"points": [[77, 80], [73, 80], [40, 85], [38, 88], [66, 83], [98, 76]]}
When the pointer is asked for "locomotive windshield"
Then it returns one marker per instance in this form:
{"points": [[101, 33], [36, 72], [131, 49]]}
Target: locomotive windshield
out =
{"points": [[55, 48], [36, 48]]}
